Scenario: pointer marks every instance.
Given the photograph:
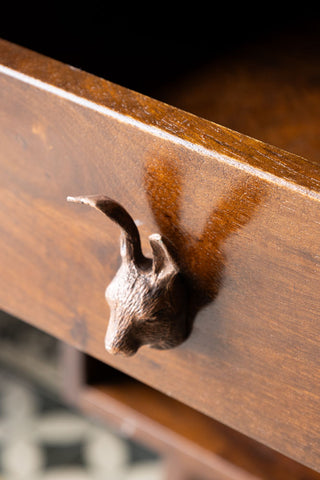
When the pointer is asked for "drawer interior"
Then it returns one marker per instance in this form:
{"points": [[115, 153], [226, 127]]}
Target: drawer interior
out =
{"points": [[252, 73], [144, 50]]}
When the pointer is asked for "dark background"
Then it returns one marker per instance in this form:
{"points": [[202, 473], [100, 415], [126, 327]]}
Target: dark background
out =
{"points": [[142, 48]]}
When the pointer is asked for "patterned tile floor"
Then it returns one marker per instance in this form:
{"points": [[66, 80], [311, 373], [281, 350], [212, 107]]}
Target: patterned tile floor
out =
{"points": [[43, 439]]}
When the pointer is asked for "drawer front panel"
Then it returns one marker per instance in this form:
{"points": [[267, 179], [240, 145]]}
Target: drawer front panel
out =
{"points": [[243, 216]]}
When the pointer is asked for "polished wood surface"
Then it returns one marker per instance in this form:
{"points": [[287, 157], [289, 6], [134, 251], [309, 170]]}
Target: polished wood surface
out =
{"points": [[243, 217]]}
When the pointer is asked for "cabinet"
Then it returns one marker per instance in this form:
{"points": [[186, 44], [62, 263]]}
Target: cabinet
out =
{"points": [[243, 215]]}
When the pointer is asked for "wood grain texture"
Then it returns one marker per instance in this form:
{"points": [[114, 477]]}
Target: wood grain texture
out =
{"points": [[243, 216]]}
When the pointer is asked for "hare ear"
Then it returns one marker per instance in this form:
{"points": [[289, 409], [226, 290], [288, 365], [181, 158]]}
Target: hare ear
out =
{"points": [[126, 248], [130, 245], [163, 263]]}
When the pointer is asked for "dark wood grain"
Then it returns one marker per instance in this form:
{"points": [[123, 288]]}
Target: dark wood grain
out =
{"points": [[243, 216]]}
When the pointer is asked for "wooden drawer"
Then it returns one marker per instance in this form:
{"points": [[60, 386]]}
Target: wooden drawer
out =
{"points": [[243, 215]]}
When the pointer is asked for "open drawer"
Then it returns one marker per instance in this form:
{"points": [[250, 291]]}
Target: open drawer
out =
{"points": [[243, 215]]}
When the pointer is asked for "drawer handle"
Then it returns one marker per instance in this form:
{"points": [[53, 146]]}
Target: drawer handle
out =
{"points": [[147, 297]]}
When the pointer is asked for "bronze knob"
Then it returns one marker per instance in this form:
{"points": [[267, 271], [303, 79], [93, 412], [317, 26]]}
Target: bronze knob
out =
{"points": [[147, 296]]}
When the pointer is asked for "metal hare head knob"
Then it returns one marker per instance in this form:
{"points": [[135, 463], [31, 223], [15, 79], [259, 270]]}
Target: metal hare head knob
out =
{"points": [[147, 296]]}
